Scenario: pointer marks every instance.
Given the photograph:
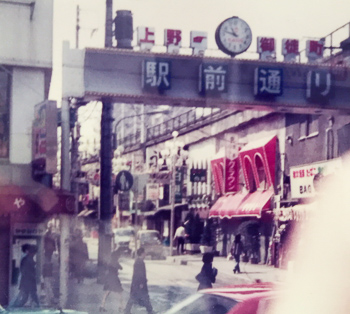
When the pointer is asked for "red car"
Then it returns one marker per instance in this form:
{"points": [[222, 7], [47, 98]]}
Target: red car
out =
{"points": [[240, 299]]}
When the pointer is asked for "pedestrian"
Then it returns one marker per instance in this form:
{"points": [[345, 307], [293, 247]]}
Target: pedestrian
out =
{"points": [[139, 289], [112, 282], [24, 248], [49, 243], [180, 237], [208, 273], [78, 256], [236, 251], [28, 284]]}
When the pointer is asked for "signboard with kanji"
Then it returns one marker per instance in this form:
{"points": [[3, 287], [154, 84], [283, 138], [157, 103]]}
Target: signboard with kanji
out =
{"points": [[179, 179], [302, 178], [156, 75], [197, 81], [213, 79], [268, 81], [198, 175]]}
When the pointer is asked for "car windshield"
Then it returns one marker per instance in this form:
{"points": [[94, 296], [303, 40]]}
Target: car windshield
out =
{"points": [[150, 238], [203, 304], [124, 233]]}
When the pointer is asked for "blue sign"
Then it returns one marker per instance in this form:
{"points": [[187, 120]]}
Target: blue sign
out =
{"points": [[123, 181], [212, 79], [268, 82], [156, 75], [319, 86]]}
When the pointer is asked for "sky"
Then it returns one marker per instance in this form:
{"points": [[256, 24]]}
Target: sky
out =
{"points": [[297, 19]]}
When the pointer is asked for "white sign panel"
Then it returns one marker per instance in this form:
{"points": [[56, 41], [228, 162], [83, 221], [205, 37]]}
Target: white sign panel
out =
{"points": [[152, 191], [173, 40], [146, 38], [198, 42], [25, 229], [302, 177]]}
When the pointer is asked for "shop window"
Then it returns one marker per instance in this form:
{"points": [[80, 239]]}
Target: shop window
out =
{"points": [[250, 174], [308, 127], [261, 173], [330, 139], [4, 112]]}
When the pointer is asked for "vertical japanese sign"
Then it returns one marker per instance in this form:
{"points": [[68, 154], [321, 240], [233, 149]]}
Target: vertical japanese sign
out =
{"points": [[212, 79], [178, 184], [231, 169], [45, 134], [290, 49], [145, 38], [319, 86], [266, 48], [156, 75], [268, 82], [198, 42]]}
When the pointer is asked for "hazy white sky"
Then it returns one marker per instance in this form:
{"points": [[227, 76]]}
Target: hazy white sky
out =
{"points": [[299, 19]]}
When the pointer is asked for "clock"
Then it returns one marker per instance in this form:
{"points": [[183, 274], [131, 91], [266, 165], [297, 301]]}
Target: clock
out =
{"points": [[233, 36]]}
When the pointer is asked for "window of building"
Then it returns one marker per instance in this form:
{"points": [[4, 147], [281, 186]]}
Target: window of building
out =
{"points": [[4, 112], [250, 175], [261, 173], [330, 139], [309, 126]]}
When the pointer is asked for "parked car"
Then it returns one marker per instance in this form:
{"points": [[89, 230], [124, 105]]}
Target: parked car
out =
{"points": [[38, 311], [241, 299], [150, 241], [122, 237]]}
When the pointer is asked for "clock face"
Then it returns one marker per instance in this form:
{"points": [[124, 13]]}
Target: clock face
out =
{"points": [[233, 36]]}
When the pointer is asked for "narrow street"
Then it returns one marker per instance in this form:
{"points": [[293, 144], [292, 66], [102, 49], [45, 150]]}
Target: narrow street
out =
{"points": [[169, 281]]}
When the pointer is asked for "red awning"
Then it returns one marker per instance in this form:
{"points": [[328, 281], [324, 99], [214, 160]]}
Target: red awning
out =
{"points": [[23, 201], [242, 205], [263, 151]]}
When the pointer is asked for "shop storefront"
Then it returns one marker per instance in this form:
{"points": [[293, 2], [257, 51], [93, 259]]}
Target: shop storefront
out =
{"points": [[250, 212], [24, 220], [305, 182]]}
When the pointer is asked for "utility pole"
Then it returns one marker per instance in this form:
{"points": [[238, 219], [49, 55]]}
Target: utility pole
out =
{"points": [[106, 200]]}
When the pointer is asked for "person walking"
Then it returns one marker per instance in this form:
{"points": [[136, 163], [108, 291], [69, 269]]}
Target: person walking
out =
{"points": [[236, 251], [139, 289], [112, 281], [208, 273], [49, 244], [79, 256], [180, 237], [28, 284]]}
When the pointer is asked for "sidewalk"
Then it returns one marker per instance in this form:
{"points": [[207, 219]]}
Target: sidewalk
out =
{"points": [[249, 272]]}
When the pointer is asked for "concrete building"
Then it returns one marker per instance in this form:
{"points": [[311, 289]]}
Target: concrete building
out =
{"points": [[25, 76]]}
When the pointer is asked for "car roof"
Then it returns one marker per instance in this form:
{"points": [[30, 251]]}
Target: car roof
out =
{"points": [[244, 292]]}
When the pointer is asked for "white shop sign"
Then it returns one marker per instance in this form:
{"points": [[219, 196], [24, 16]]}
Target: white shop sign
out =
{"points": [[302, 177], [152, 191]]}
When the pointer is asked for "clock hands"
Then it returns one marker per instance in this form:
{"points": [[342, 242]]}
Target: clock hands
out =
{"points": [[232, 33]]}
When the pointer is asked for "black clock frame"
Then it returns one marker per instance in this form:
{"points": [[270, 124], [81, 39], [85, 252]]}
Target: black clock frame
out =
{"points": [[219, 43]]}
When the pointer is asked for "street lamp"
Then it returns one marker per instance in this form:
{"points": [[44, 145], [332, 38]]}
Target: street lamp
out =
{"points": [[177, 156]]}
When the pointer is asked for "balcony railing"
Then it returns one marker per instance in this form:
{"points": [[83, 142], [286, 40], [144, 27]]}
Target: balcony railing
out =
{"points": [[180, 122], [190, 118]]}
